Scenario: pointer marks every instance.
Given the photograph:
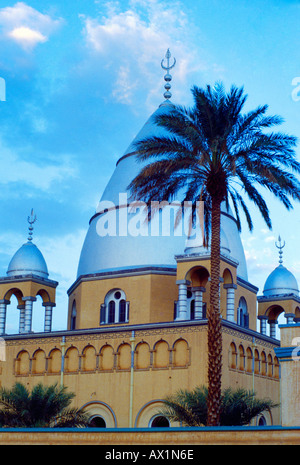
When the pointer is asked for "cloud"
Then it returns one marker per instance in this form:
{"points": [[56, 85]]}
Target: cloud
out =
{"points": [[40, 175], [130, 42], [26, 36], [26, 26]]}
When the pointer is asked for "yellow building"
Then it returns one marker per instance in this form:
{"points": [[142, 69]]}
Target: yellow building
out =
{"points": [[137, 328]]}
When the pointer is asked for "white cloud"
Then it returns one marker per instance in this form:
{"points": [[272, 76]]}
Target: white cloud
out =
{"points": [[26, 36], [26, 26], [133, 40], [18, 170]]}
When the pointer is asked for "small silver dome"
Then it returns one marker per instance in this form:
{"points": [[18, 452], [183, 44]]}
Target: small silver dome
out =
{"points": [[28, 260], [281, 282]]}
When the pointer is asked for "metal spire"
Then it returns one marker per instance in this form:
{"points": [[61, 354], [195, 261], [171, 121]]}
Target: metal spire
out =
{"points": [[31, 220], [280, 247], [168, 77]]}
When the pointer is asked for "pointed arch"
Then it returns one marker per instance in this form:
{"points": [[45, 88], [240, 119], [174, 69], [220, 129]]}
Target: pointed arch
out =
{"points": [[71, 360], [89, 359], [38, 362]]}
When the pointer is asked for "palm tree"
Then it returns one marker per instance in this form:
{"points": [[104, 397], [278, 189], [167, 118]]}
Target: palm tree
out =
{"points": [[44, 406], [237, 407], [216, 154]]}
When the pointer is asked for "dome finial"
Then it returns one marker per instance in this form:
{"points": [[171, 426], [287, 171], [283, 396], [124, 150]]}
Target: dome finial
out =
{"points": [[168, 77], [280, 247], [31, 220]]}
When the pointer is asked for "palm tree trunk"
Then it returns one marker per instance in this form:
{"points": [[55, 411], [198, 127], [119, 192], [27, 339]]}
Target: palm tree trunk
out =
{"points": [[214, 331]]}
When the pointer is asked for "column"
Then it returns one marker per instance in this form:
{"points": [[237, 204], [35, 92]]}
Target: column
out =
{"points": [[48, 316], [182, 298], [230, 301], [3, 305], [198, 293], [22, 318], [28, 313], [127, 312], [289, 318], [263, 324], [273, 324]]}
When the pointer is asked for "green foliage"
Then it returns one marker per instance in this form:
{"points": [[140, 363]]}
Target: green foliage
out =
{"points": [[213, 150], [44, 406], [238, 407]]}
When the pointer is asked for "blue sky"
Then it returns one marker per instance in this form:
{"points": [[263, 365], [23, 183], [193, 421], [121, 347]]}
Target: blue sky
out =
{"points": [[81, 79]]}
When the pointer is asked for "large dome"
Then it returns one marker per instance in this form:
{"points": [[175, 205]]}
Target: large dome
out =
{"points": [[28, 260], [280, 282], [109, 246]]}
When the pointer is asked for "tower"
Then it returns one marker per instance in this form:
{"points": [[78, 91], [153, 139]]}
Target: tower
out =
{"points": [[125, 255], [280, 295], [27, 277]]}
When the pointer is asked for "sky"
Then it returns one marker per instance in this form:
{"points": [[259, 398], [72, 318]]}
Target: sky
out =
{"points": [[78, 79]]}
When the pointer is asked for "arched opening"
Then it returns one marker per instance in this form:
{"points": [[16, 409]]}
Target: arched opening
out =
{"points": [[243, 315], [73, 316], [159, 421], [38, 315], [15, 298], [97, 422], [227, 276], [273, 313], [262, 421], [100, 414], [198, 276], [13, 316]]}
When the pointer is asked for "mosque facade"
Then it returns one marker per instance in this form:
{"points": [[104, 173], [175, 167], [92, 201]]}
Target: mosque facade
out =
{"points": [[137, 327]]}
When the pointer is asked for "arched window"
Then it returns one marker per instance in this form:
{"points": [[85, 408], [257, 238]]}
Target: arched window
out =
{"points": [[243, 315], [97, 422], [122, 311], [159, 421], [115, 308], [111, 311], [262, 421], [73, 316]]}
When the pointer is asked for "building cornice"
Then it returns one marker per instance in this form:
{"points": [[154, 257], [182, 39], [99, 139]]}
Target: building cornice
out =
{"points": [[121, 328], [26, 278], [134, 271]]}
